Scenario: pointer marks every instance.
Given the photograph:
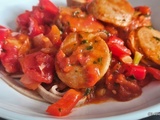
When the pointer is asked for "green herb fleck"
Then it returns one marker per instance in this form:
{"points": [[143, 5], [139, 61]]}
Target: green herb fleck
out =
{"points": [[150, 27], [98, 61], [87, 92], [84, 41], [60, 109], [76, 13], [147, 15], [89, 47], [107, 32], [157, 38]]}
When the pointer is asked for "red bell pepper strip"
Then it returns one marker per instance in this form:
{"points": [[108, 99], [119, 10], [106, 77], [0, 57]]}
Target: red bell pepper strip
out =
{"points": [[116, 45], [155, 72], [139, 72], [65, 104]]}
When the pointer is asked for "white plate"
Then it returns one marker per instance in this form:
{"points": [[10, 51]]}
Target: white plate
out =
{"points": [[16, 106]]}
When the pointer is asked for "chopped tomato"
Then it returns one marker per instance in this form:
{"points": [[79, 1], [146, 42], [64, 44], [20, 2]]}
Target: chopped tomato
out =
{"points": [[38, 66], [121, 88], [15, 46], [23, 19], [9, 58], [38, 14], [3, 34], [65, 104], [48, 6], [37, 20], [29, 83], [145, 10], [34, 28]]}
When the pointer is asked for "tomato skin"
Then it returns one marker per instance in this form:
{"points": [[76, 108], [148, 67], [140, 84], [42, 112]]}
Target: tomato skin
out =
{"points": [[38, 66], [65, 104]]}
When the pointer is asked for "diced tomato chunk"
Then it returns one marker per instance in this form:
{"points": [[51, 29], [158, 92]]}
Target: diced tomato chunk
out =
{"points": [[29, 83], [9, 58], [34, 28], [4, 32], [37, 20], [48, 6], [38, 66], [23, 19], [145, 10]]}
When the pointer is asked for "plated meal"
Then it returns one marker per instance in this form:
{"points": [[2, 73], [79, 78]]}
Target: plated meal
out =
{"points": [[87, 52]]}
